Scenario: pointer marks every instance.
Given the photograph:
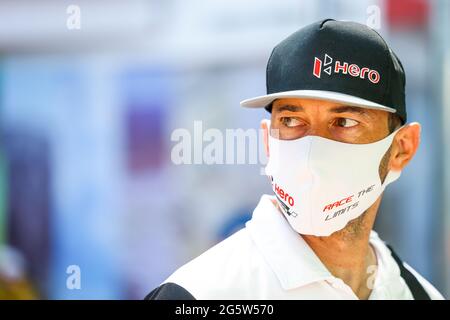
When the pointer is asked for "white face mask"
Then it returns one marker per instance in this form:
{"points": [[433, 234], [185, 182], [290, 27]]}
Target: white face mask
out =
{"points": [[322, 184]]}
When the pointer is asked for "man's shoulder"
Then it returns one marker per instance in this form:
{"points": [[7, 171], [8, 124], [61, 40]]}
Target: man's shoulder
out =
{"points": [[215, 272], [429, 288], [387, 251], [169, 291], [230, 251]]}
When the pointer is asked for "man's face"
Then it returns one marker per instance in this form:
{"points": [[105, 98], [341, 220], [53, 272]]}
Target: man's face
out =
{"points": [[296, 118]]}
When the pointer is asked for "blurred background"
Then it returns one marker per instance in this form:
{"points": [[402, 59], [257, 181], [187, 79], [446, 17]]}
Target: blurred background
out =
{"points": [[91, 205]]}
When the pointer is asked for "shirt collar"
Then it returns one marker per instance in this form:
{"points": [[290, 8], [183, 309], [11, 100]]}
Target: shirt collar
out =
{"points": [[387, 282], [289, 256]]}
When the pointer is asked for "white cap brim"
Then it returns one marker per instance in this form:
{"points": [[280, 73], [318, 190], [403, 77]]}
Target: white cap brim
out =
{"points": [[262, 101]]}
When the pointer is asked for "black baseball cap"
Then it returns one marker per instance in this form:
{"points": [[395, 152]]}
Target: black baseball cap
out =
{"points": [[339, 61]]}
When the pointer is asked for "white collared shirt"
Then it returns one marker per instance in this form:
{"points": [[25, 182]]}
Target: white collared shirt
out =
{"points": [[268, 260]]}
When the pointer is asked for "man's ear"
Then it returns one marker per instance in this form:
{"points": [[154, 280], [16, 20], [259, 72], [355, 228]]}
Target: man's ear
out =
{"points": [[404, 146], [265, 127]]}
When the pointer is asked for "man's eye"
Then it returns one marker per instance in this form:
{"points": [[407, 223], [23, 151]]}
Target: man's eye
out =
{"points": [[346, 122], [290, 122]]}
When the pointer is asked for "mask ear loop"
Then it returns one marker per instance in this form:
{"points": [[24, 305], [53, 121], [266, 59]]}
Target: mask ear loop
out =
{"points": [[391, 176], [397, 130], [267, 122]]}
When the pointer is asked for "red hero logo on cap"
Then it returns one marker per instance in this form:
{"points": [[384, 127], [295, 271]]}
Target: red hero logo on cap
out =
{"points": [[353, 69]]}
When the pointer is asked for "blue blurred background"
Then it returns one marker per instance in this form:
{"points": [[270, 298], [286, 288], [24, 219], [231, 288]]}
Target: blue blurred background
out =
{"points": [[86, 116]]}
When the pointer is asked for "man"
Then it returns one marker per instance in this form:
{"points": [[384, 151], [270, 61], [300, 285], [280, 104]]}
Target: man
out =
{"points": [[337, 137]]}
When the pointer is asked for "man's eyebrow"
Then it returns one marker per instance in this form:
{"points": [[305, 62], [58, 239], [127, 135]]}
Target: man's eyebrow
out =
{"points": [[351, 109], [289, 107]]}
